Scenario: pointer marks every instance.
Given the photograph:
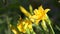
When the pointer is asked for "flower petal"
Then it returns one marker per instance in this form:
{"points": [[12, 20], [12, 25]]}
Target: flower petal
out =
{"points": [[25, 11], [46, 10], [40, 9]]}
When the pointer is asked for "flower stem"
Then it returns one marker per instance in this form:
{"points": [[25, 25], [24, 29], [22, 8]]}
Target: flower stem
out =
{"points": [[52, 29]]}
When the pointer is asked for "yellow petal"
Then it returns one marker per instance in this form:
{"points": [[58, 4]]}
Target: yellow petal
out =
{"points": [[30, 26], [25, 11], [37, 22], [14, 31], [35, 11], [40, 9], [21, 28], [44, 17], [46, 10]]}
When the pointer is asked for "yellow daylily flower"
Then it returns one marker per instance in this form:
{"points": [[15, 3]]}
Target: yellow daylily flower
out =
{"points": [[24, 25], [39, 14]]}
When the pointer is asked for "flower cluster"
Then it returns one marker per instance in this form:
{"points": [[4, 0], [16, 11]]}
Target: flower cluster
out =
{"points": [[34, 17], [39, 14]]}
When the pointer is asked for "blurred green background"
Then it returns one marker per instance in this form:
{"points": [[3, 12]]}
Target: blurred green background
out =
{"points": [[10, 12]]}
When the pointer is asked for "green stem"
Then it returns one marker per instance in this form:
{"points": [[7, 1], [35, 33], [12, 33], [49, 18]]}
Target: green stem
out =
{"points": [[51, 26], [52, 29], [49, 23]]}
